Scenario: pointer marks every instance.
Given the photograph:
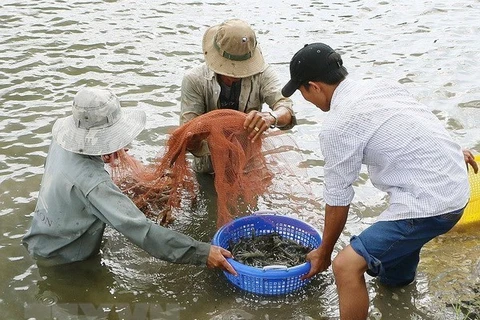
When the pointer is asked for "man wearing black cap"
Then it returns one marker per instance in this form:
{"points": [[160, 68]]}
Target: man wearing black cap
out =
{"points": [[408, 154]]}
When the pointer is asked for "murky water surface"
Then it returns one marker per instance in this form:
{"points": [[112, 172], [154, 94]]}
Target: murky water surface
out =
{"points": [[141, 49]]}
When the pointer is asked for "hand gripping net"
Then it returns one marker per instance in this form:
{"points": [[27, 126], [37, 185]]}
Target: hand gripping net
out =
{"points": [[241, 171]]}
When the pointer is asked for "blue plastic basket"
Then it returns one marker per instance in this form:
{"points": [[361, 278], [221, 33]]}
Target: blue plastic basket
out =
{"points": [[275, 279]]}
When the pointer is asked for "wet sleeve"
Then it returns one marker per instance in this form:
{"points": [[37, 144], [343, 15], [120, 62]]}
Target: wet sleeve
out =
{"points": [[115, 209], [192, 105], [272, 95], [192, 100]]}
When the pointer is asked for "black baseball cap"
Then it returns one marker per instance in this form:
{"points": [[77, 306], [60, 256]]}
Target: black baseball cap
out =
{"points": [[314, 62]]}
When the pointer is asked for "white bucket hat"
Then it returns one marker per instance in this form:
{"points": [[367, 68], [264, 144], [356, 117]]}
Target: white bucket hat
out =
{"points": [[231, 49], [98, 124]]}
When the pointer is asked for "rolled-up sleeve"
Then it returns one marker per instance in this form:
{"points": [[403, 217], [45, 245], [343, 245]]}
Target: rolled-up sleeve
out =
{"points": [[192, 101], [115, 209], [192, 105], [343, 154], [272, 95]]}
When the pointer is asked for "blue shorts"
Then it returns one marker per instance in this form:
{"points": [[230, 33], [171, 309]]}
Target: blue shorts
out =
{"points": [[392, 248]]}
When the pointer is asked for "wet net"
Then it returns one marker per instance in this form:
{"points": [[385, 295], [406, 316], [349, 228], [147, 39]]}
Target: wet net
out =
{"points": [[241, 170]]}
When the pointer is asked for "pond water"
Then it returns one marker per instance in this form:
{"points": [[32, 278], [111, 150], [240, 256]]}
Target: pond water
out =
{"points": [[141, 49]]}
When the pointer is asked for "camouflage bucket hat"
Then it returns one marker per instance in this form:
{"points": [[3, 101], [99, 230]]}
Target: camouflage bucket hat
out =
{"points": [[98, 125], [231, 49]]}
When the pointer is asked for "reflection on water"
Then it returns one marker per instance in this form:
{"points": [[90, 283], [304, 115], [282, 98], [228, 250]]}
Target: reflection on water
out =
{"points": [[452, 257], [51, 48]]}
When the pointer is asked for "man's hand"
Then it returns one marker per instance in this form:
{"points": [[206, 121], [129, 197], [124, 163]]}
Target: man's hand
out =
{"points": [[257, 123], [319, 262], [216, 259], [470, 160], [109, 158], [193, 144], [194, 141]]}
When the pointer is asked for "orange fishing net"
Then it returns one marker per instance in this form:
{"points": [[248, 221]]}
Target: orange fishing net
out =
{"points": [[241, 171]]}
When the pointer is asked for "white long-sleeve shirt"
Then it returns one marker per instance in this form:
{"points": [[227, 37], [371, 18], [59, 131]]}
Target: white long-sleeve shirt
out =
{"points": [[408, 152]]}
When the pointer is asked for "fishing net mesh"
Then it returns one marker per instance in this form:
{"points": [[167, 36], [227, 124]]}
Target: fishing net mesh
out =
{"points": [[241, 170]]}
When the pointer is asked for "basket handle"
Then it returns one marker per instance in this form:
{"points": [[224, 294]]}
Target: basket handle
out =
{"points": [[275, 267], [259, 213]]}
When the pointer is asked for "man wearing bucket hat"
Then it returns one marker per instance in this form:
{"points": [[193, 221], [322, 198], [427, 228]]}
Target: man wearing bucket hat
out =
{"points": [[409, 155], [77, 197], [234, 76]]}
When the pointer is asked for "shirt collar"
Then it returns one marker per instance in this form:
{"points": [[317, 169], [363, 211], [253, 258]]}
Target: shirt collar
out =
{"points": [[209, 74], [341, 91]]}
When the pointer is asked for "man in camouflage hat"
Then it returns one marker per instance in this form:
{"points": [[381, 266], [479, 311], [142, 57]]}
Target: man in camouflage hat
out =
{"points": [[234, 76], [78, 198]]}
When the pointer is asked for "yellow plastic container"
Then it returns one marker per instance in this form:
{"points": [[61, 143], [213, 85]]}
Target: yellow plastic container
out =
{"points": [[471, 215]]}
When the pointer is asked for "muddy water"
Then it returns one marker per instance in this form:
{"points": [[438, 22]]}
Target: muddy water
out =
{"points": [[141, 49]]}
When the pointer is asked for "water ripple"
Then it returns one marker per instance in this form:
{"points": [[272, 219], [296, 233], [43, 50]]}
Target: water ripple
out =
{"points": [[51, 48]]}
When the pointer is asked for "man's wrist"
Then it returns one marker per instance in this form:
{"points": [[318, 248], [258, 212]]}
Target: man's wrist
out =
{"points": [[275, 118]]}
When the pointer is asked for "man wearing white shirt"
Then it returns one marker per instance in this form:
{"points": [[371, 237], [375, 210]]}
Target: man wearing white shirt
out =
{"points": [[409, 155]]}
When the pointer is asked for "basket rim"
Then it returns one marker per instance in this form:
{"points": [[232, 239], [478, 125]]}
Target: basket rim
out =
{"points": [[266, 213], [257, 271]]}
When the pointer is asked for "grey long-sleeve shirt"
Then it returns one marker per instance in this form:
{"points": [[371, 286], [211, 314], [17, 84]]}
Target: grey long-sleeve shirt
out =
{"points": [[77, 199]]}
